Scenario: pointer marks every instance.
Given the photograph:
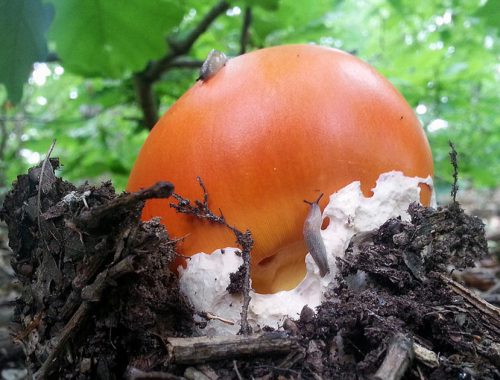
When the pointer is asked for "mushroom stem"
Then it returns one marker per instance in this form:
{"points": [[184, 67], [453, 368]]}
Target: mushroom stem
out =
{"points": [[312, 236]]}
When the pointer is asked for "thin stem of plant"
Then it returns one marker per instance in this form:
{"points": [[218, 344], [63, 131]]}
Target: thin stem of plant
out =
{"points": [[40, 182], [454, 163], [201, 210]]}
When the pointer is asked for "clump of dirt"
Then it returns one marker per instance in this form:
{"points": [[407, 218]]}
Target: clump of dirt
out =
{"points": [[237, 281], [98, 299], [97, 292], [393, 280], [393, 299]]}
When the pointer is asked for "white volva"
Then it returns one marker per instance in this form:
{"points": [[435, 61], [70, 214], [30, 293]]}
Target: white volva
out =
{"points": [[206, 278]]}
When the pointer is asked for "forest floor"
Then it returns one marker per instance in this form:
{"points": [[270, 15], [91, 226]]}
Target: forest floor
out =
{"points": [[89, 295]]}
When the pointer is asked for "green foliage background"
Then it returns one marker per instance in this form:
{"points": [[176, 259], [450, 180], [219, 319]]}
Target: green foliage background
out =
{"points": [[444, 57]]}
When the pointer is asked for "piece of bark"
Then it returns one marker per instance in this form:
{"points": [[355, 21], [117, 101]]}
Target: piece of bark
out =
{"points": [[93, 217], [397, 360], [489, 312], [201, 349], [192, 373], [425, 356], [137, 374]]}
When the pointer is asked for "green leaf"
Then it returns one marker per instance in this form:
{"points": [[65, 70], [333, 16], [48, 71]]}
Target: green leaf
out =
{"points": [[112, 38], [490, 13], [23, 24]]}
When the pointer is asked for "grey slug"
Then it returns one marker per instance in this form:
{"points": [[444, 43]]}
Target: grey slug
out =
{"points": [[312, 236], [215, 61]]}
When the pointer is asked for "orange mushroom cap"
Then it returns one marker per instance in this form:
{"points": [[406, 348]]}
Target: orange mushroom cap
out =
{"points": [[270, 129]]}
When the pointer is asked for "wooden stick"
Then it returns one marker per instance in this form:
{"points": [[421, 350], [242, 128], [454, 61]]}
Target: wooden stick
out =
{"points": [[489, 311], [40, 181], [92, 217], [397, 360], [137, 374], [236, 370], [191, 373], [425, 356], [201, 349]]}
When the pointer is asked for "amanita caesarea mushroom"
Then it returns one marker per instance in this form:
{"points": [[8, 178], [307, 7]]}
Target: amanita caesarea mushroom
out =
{"points": [[348, 211], [272, 128]]}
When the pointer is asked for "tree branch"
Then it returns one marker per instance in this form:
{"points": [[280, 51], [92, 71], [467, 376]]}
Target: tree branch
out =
{"points": [[201, 349], [179, 48], [52, 57], [398, 358], [183, 46], [245, 30], [93, 216], [144, 80], [185, 64], [3, 138], [146, 99]]}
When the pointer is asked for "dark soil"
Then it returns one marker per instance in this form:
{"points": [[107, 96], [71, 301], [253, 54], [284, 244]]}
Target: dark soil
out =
{"points": [[96, 287], [98, 300]]}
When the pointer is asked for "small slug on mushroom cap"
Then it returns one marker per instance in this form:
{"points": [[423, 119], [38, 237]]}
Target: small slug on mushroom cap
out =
{"points": [[267, 130], [215, 61]]}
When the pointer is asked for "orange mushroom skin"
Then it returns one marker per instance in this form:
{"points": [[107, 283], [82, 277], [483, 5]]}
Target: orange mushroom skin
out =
{"points": [[270, 129]]}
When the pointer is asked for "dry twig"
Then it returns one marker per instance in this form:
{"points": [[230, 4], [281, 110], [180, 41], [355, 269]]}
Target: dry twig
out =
{"points": [[201, 210], [397, 360], [198, 350], [236, 370], [93, 217], [454, 163], [40, 183], [137, 374], [488, 311]]}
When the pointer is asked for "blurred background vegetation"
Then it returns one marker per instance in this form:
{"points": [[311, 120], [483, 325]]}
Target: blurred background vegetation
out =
{"points": [[95, 75]]}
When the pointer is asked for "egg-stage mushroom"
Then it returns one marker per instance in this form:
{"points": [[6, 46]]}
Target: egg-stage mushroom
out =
{"points": [[268, 130], [348, 211]]}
